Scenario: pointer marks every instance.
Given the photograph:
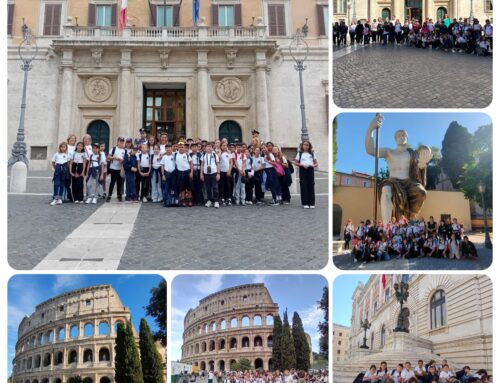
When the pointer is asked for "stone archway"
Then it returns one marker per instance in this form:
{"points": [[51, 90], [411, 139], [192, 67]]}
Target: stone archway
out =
{"points": [[258, 364], [99, 130], [222, 365], [231, 130], [203, 366]]}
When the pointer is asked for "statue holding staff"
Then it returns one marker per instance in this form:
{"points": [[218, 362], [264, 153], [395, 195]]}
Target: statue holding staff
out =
{"points": [[403, 193]]}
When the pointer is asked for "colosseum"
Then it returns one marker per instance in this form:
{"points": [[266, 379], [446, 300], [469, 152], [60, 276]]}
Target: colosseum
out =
{"points": [[72, 334], [229, 325]]}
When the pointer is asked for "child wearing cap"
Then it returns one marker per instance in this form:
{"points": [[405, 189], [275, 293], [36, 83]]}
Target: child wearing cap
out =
{"points": [[115, 159], [130, 166], [94, 173], [168, 177], [226, 164], [143, 172], [210, 175], [184, 166], [76, 168], [156, 193]]}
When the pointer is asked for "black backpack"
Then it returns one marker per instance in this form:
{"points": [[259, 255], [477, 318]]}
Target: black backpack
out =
{"points": [[460, 374], [359, 378]]}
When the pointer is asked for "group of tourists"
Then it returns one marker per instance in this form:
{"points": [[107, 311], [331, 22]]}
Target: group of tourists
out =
{"points": [[431, 372], [456, 35], [261, 376], [404, 239], [182, 173]]}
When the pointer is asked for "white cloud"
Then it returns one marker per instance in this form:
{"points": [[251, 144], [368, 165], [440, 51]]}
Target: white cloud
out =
{"points": [[311, 316], [66, 281], [260, 278], [209, 284]]}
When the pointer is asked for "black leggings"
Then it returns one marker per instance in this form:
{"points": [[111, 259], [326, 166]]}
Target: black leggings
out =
{"points": [[77, 182], [307, 195], [115, 178]]}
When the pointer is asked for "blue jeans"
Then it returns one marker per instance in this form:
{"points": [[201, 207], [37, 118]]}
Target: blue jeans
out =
{"points": [[61, 175], [273, 184], [130, 182], [167, 185]]}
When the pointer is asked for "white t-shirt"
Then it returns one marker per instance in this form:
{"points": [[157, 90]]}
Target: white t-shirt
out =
{"points": [[271, 158], [445, 375], [156, 161], [162, 149], [196, 159], [225, 157], [104, 159], [241, 161], [210, 159], [306, 158], [143, 159], [182, 161], [369, 374], [119, 153], [78, 158], [88, 151], [406, 375], [60, 158], [257, 163], [168, 162], [94, 159], [71, 149]]}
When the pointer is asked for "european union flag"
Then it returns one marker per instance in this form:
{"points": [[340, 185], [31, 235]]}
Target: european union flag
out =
{"points": [[196, 11]]}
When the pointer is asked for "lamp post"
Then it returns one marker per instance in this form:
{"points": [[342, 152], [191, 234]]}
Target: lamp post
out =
{"points": [[487, 239], [354, 10], [299, 50], [18, 162], [471, 12], [401, 295], [365, 325]]}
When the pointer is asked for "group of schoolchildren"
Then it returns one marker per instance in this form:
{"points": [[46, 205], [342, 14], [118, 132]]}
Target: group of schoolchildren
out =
{"points": [[183, 173], [260, 376], [428, 373], [404, 239], [448, 34]]}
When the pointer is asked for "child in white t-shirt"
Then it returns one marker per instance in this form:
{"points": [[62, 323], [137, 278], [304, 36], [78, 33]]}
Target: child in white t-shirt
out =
{"points": [[94, 173], [76, 167], [156, 193], [61, 172], [307, 162], [210, 175]]}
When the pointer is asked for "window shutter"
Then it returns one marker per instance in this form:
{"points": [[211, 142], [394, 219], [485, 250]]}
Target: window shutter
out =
{"points": [[56, 20], [321, 20], [92, 15], [47, 20], [176, 14], [215, 15], [271, 12], [237, 15], [113, 15], [10, 18], [154, 13], [280, 18]]}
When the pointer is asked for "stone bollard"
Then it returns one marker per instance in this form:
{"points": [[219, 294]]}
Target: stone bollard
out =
{"points": [[18, 177]]}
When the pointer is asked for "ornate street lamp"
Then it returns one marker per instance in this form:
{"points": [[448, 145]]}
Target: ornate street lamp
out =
{"points": [[487, 239], [365, 325], [299, 50], [27, 51], [401, 295]]}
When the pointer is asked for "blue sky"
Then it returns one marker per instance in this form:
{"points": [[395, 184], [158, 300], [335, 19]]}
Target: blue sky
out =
{"points": [[27, 291], [425, 128], [296, 292], [343, 287]]}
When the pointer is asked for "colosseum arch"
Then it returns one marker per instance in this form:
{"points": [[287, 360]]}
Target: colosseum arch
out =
{"points": [[103, 328], [197, 348], [88, 355], [211, 365], [257, 320], [234, 323], [245, 321], [203, 346], [270, 341], [88, 329], [223, 324], [29, 363], [104, 379], [117, 322], [73, 331], [233, 343], [45, 380], [245, 342], [39, 339], [211, 346], [213, 326], [72, 357], [34, 381], [49, 336], [258, 364], [38, 361], [257, 341], [61, 334], [269, 320], [221, 365], [59, 358], [222, 344], [47, 359], [203, 366], [58, 380]]}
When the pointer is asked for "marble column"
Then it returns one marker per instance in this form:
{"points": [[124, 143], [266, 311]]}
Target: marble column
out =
{"points": [[203, 113], [124, 128], [65, 123], [261, 100]]}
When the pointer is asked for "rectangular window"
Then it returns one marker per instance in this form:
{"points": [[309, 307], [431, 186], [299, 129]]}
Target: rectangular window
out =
{"points": [[488, 5], [338, 352], [52, 20], [38, 153], [164, 16], [340, 334], [340, 342], [10, 18], [366, 184], [341, 6], [348, 181], [103, 15], [276, 15], [88, 302], [326, 15], [226, 15]]}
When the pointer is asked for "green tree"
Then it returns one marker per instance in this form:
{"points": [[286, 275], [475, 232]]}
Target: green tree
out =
{"points": [[480, 168], [127, 361], [383, 174], [301, 345], [456, 151], [287, 346], [277, 331], [152, 364], [157, 308], [242, 365], [434, 169], [323, 325]]}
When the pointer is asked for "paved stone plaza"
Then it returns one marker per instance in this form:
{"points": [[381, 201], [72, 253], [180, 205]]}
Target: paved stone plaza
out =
{"points": [[374, 76], [345, 261], [149, 236]]}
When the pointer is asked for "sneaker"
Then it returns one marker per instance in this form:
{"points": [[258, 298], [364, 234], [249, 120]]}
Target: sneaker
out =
{"points": [[312, 207], [108, 199], [119, 198], [75, 201], [89, 200], [287, 202], [94, 200], [228, 203], [209, 204], [144, 199], [275, 203], [250, 203], [54, 202], [306, 206], [216, 205], [59, 201]]}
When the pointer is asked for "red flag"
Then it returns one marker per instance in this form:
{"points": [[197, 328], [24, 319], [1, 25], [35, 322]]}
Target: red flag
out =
{"points": [[122, 20], [383, 281]]}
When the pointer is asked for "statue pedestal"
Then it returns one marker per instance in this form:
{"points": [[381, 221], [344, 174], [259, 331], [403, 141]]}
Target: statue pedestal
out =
{"points": [[404, 342], [18, 177]]}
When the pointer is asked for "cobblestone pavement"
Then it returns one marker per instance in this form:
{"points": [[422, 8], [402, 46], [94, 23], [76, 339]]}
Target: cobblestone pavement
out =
{"points": [[35, 228], [236, 237], [401, 77], [345, 261]]}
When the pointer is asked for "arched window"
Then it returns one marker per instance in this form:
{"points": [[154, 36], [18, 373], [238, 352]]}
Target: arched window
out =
{"points": [[257, 320], [269, 320], [222, 344], [245, 321], [382, 337], [47, 359], [103, 328], [234, 323], [59, 358], [72, 357], [386, 14], [88, 329], [211, 346], [214, 326], [73, 332], [441, 12], [233, 343], [61, 334], [438, 309], [87, 356], [245, 342], [223, 324], [257, 342], [270, 341]]}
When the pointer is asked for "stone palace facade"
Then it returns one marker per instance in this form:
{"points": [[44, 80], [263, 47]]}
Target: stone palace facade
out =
{"points": [[402, 9], [72, 334], [232, 73]]}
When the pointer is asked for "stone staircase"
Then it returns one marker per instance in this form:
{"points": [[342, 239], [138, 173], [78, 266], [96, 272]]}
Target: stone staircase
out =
{"points": [[400, 348]]}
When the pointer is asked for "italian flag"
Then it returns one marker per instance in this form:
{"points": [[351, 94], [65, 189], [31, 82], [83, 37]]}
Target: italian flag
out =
{"points": [[122, 19]]}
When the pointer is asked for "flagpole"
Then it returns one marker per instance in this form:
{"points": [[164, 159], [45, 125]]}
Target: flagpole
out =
{"points": [[375, 194]]}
